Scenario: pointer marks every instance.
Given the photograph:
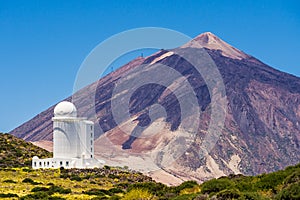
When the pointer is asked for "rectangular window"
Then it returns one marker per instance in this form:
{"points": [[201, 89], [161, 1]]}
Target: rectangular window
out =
{"points": [[48, 164], [91, 149], [91, 156], [91, 128], [40, 164], [34, 164], [67, 163], [91, 142], [91, 135], [61, 163]]}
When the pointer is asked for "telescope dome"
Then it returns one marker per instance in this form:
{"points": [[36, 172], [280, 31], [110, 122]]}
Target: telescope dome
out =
{"points": [[65, 109]]}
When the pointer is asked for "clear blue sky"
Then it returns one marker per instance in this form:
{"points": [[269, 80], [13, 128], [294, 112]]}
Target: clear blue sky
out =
{"points": [[43, 43]]}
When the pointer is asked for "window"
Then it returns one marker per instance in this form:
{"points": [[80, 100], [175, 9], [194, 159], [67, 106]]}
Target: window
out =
{"points": [[91, 135], [91, 156], [67, 163], [61, 163], [91, 149], [40, 164], [91, 142], [48, 164], [91, 128], [34, 164]]}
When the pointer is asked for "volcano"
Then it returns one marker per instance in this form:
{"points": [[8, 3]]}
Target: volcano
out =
{"points": [[156, 135]]}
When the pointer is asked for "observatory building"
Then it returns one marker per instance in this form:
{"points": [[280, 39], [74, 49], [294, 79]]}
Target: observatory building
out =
{"points": [[73, 141]]}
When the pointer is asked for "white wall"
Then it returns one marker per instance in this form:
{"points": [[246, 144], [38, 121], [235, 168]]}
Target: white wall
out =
{"points": [[66, 142]]}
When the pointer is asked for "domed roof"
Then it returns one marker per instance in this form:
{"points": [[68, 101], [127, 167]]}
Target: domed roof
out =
{"points": [[65, 109], [35, 158]]}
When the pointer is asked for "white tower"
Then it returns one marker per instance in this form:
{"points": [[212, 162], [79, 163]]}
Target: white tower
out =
{"points": [[72, 136], [73, 140]]}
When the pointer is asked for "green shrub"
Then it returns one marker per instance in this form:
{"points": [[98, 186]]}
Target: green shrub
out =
{"points": [[270, 181], [27, 169], [216, 185], [59, 189], [76, 178], [293, 178], [100, 198], [9, 181], [292, 192], [53, 189], [35, 196], [66, 191], [185, 197], [252, 196], [228, 194], [115, 190], [38, 189], [94, 191], [29, 180], [8, 195], [112, 176], [106, 167], [185, 185], [56, 198], [245, 185]]}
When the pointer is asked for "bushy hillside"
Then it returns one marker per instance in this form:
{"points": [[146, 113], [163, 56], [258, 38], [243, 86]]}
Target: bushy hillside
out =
{"points": [[121, 183], [101, 183], [15, 152], [284, 184]]}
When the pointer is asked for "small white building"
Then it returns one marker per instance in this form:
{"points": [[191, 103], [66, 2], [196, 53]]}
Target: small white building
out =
{"points": [[73, 141]]}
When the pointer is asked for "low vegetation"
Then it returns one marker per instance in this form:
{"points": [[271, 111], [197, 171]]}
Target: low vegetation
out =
{"points": [[19, 182], [15, 152]]}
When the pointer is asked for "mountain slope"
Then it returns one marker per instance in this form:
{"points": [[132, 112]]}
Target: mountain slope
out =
{"points": [[261, 131]]}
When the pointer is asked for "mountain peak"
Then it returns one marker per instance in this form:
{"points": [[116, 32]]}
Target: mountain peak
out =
{"points": [[210, 41], [207, 37]]}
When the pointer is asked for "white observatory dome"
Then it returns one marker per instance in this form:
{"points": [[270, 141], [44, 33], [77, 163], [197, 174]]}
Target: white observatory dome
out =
{"points": [[65, 109]]}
